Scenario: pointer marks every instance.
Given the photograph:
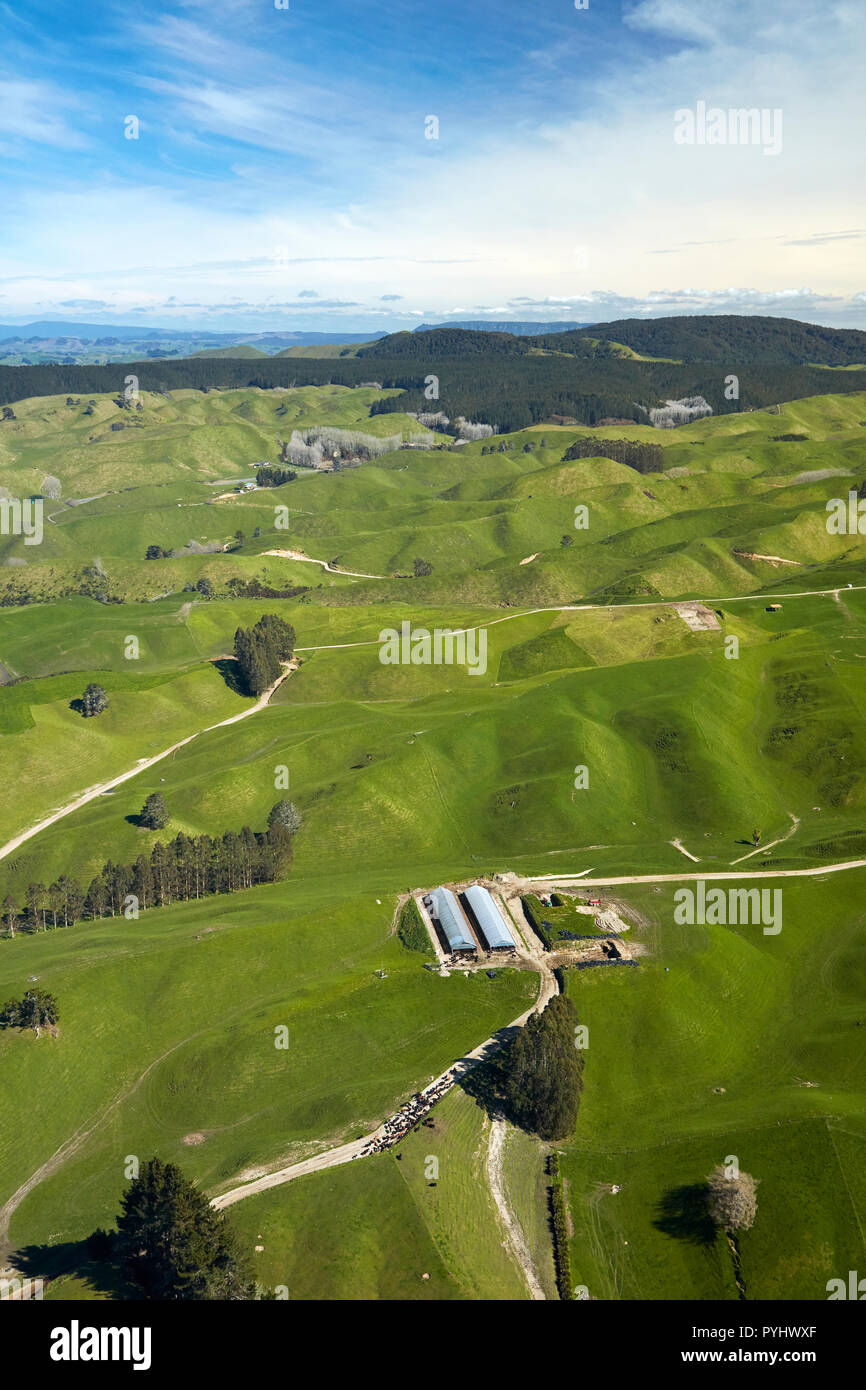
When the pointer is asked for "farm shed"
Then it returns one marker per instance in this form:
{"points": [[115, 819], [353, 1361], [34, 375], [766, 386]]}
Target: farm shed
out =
{"points": [[448, 913], [489, 919]]}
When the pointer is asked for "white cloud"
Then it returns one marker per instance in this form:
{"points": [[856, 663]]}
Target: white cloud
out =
{"points": [[38, 113]]}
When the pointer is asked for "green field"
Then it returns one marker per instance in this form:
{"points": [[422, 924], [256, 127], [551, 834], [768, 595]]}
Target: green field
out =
{"points": [[410, 776]]}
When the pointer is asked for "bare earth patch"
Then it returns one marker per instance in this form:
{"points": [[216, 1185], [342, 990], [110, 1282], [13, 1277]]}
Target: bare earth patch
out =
{"points": [[697, 616]]}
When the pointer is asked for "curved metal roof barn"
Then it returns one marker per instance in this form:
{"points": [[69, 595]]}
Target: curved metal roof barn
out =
{"points": [[489, 918], [452, 921]]}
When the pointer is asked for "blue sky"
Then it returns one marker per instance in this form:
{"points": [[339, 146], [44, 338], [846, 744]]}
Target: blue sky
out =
{"points": [[282, 175]]}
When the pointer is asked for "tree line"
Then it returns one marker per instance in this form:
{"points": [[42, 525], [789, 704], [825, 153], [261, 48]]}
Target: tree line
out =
{"points": [[178, 870]]}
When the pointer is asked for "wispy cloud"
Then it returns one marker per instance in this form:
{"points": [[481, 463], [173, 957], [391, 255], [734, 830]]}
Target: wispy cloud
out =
{"points": [[280, 149]]}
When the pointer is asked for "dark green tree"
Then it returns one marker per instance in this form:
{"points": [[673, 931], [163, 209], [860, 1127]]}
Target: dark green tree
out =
{"points": [[173, 1244], [154, 813]]}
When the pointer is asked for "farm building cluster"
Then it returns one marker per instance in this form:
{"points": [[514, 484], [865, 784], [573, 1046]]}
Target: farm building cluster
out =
{"points": [[469, 922]]}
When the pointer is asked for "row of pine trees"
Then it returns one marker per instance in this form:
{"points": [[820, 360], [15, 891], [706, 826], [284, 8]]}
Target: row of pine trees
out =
{"points": [[187, 867]]}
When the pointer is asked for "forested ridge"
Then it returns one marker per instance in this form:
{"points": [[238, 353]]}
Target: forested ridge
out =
{"points": [[722, 338], [504, 386]]}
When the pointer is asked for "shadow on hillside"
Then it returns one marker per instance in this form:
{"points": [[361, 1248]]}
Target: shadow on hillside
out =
{"points": [[231, 674], [682, 1213], [103, 1276], [484, 1081]]}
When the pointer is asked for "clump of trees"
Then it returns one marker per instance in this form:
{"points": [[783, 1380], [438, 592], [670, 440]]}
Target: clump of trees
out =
{"points": [[271, 475], [731, 1201], [682, 412], [37, 1009], [469, 429], [261, 650], [315, 447], [94, 700], [542, 1072], [643, 458], [156, 552], [172, 1243], [154, 814], [421, 568]]}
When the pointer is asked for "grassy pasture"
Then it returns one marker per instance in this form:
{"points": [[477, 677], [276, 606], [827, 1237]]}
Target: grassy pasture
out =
{"points": [[409, 776], [724, 1007]]}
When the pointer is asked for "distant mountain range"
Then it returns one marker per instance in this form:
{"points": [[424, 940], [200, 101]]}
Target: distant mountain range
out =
{"points": [[66, 342], [110, 332], [519, 327], [725, 340]]}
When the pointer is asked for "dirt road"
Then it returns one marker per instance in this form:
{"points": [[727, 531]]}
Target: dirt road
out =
{"points": [[344, 1153], [326, 564], [594, 608], [514, 1236], [143, 763], [693, 878]]}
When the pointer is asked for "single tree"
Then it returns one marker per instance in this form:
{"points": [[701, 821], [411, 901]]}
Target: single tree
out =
{"points": [[204, 587], [10, 914], [173, 1244], [94, 700], [285, 814], [731, 1201], [154, 813]]}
